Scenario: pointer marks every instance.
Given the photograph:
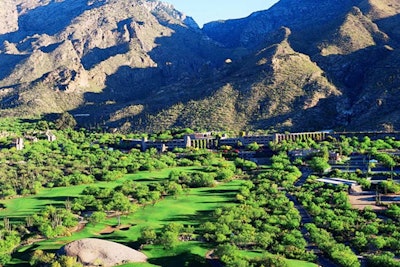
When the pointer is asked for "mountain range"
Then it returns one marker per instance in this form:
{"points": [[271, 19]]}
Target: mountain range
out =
{"points": [[142, 65]]}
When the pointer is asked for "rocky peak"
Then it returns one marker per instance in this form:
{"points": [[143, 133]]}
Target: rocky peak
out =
{"points": [[385, 14], [166, 10], [126, 48], [302, 64], [8, 17], [377, 9], [294, 14], [355, 33]]}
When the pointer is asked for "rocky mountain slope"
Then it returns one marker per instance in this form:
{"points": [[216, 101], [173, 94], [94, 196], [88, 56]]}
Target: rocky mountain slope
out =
{"points": [[354, 42], [90, 52], [301, 65]]}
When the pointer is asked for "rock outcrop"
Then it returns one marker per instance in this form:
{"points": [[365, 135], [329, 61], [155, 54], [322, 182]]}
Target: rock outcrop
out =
{"points": [[98, 252]]}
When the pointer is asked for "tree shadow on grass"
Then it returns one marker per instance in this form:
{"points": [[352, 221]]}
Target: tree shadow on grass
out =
{"points": [[199, 217], [182, 259], [118, 239], [20, 215], [221, 202], [229, 194], [221, 191], [55, 199], [146, 179], [24, 255]]}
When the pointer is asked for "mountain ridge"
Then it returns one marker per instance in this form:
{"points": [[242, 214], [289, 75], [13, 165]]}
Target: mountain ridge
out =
{"points": [[142, 65]]}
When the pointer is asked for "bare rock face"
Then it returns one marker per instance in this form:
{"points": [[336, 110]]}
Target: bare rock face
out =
{"points": [[300, 65], [72, 52], [294, 14], [98, 252], [8, 17]]}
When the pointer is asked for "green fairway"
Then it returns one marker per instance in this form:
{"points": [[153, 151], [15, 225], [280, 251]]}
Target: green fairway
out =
{"points": [[186, 254], [296, 263], [17, 209], [191, 208], [290, 262]]}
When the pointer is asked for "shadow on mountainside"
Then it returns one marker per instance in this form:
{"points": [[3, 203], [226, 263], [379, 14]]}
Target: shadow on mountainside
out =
{"points": [[8, 63], [97, 55], [186, 70], [366, 79], [296, 15], [183, 60], [321, 116], [390, 26], [48, 19]]}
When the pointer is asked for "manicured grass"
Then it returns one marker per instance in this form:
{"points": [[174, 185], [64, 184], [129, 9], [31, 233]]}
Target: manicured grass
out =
{"points": [[21, 207], [290, 262], [185, 254], [192, 208], [296, 263], [17, 209], [189, 209]]}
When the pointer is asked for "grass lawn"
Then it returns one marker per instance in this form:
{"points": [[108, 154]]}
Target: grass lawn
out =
{"points": [[192, 208], [22, 207], [189, 209], [291, 263], [17, 209], [296, 263]]}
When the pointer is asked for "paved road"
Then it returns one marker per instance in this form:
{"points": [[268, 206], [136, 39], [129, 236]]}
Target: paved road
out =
{"points": [[307, 218], [305, 172]]}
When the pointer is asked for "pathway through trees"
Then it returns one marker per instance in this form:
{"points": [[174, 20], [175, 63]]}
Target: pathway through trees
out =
{"points": [[306, 218]]}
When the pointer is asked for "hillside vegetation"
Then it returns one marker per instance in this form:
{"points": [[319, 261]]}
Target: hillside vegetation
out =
{"points": [[142, 65]]}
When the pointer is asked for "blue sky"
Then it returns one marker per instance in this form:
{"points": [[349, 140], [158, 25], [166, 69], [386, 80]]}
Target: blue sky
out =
{"points": [[204, 11]]}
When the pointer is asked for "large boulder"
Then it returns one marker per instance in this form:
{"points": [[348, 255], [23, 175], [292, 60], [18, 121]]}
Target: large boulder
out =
{"points": [[98, 252]]}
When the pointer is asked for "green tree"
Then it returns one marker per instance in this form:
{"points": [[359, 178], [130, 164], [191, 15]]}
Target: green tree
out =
{"points": [[40, 258], [378, 242], [230, 255], [253, 146], [9, 241], [393, 211], [273, 261], [319, 164], [65, 121], [148, 235], [169, 239], [385, 259], [360, 241], [97, 217], [386, 160], [66, 261], [264, 239], [120, 204]]}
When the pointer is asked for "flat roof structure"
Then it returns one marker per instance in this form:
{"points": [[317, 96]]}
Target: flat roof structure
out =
{"points": [[337, 181]]}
